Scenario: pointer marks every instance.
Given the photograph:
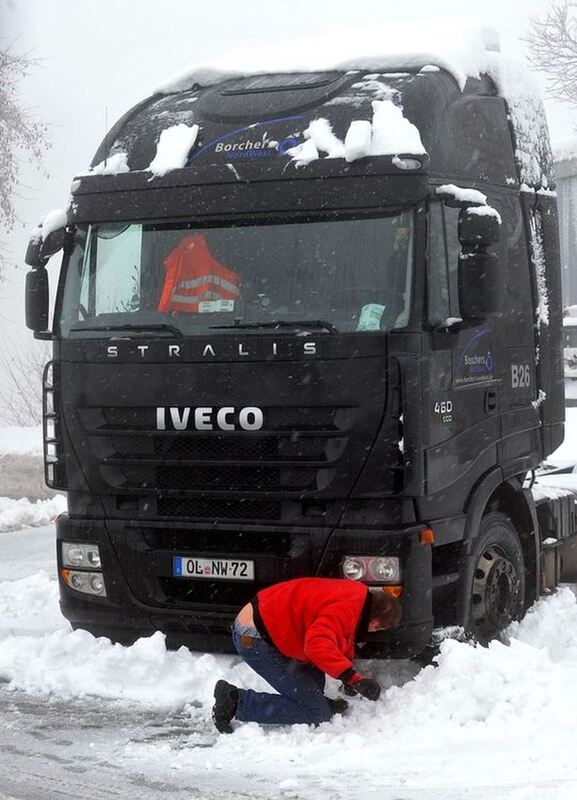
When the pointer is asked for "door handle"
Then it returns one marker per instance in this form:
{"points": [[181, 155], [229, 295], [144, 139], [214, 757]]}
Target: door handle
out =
{"points": [[490, 401]]}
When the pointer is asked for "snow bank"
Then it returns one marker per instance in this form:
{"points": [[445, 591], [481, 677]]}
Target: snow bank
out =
{"points": [[29, 606], [173, 147], [18, 514], [513, 707], [21, 441]]}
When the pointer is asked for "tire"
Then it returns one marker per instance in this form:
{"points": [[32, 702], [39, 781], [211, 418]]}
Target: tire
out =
{"points": [[497, 585]]}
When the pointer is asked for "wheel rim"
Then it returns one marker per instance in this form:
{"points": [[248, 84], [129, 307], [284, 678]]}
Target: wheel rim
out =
{"points": [[495, 592]]}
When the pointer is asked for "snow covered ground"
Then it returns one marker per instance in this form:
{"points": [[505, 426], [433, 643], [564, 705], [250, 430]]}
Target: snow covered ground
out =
{"points": [[486, 723], [496, 723]]}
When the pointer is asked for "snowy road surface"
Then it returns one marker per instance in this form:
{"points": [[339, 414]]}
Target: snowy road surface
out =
{"points": [[81, 718]]}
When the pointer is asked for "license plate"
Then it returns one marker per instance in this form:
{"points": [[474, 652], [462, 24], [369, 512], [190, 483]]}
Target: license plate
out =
{"points": [[213, 568]]}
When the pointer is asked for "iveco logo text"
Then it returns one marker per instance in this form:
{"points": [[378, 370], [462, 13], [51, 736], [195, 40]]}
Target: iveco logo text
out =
{"points": [[207, 418]]}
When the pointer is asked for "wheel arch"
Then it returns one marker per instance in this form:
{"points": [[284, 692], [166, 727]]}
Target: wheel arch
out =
{"points": [[494, 493]]}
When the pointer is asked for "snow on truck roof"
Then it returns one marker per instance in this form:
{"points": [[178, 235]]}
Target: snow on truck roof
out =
{"points": [[462, 50]]}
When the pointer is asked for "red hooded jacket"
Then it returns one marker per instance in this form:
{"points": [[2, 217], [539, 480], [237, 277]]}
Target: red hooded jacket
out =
{"points": [[313, 620]]}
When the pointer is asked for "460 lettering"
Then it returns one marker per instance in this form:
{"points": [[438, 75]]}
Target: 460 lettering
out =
{"points": [[444, 409]]}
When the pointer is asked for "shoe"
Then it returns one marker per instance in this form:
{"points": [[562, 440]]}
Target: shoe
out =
{"points": [[225, 703], [338, 705]]}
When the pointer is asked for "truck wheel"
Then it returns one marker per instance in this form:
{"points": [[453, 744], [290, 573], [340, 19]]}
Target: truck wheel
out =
{"points": [[498, 582]]}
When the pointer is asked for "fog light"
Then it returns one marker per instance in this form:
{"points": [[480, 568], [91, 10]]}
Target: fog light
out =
{"points": [[86, 582], [76, 554], [77, 580], [97, 583], [353, 568]]}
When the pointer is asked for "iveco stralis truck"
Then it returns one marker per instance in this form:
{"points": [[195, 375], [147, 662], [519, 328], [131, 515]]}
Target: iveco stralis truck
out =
{"points": [[308, 349]]}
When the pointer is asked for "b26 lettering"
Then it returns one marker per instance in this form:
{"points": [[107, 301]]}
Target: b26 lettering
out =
{"points": [[520, 376]]}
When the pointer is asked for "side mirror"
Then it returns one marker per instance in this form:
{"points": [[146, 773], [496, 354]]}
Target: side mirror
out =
{"points": [[479, 226], [481, 286], [37, 300], [481, 275], [47, 239]]}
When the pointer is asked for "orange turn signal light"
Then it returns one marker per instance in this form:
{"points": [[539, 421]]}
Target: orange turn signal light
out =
{"points": [[394, 591], [64, 574], [427, 536]]}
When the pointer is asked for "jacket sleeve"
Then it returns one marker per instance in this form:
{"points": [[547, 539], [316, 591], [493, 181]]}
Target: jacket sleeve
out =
{"points": [[321, 644]]}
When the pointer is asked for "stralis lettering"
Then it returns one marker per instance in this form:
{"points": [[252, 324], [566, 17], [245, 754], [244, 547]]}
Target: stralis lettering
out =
{"points": [[207, 350], [207, 418]]}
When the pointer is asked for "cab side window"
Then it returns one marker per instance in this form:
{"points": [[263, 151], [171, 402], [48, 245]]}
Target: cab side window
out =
{"points": [[451, 216], [443, 260]]}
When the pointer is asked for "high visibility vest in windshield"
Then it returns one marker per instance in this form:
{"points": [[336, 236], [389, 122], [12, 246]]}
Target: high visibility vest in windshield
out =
{"points": [[195, 281]]}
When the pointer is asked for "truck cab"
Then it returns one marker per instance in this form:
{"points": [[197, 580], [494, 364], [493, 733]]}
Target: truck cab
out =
{"points": [[326, 342]]}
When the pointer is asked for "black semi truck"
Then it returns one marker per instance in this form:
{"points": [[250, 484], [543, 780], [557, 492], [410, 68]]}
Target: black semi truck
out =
{"points": [[307, 350]]}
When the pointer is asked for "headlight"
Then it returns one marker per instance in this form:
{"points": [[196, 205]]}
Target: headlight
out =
{"points": [[85, 556], [372, 569], [85, 582]]}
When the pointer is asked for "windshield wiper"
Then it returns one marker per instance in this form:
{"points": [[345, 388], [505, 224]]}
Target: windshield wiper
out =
{"points": [[282, 323], [131, 326]]}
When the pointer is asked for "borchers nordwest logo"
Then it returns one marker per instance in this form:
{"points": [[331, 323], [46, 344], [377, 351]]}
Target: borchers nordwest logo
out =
{"points": [[265, 147]]}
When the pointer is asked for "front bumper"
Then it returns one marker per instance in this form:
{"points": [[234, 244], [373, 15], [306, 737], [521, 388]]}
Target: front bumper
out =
{"points": [[143, 597]]}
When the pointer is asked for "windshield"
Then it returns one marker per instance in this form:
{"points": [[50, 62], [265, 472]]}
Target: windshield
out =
{"points": [[337, 274]]}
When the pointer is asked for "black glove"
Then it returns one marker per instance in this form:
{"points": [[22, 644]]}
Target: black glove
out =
{"points": [[367, 687], [354, 683]]}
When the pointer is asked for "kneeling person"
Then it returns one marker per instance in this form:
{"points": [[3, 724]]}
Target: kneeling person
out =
{"points": [[292, 634]]}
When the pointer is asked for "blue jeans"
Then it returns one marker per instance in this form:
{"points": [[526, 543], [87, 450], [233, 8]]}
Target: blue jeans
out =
{"points": [[300, 686]]}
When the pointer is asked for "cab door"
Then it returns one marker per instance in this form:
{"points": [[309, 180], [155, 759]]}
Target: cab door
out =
{"points": [[462, 390]]}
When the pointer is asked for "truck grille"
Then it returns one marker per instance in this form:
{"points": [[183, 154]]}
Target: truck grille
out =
{"points": [[212, 508], [296, 454]]}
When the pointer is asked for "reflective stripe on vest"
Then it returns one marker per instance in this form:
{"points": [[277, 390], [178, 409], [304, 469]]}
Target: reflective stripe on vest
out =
{"points": [[193, 275]]}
